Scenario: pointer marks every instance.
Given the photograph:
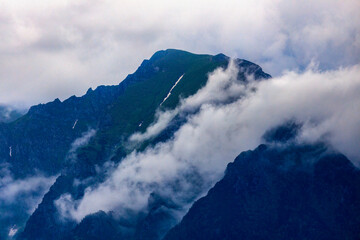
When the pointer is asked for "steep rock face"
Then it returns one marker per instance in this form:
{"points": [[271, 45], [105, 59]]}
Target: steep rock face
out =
{"points": [[99, 226], [54, 222], [292, 192], [41, 139], [132, 109]]}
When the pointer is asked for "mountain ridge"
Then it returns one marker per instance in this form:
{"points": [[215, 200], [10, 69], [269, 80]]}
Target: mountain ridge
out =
{"points": [[280, 190], [296, 192], [114, 112]]}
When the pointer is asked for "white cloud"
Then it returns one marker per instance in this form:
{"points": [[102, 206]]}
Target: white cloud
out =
{"points": [[61, 48], [19, 197], [186, 166], [27, 192], [163, 119], [221, 87], [79, 142]]}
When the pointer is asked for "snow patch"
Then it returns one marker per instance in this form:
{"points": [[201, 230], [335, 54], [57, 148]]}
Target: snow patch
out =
{"points": [[12, 231], [171, 89], [75, 123]]}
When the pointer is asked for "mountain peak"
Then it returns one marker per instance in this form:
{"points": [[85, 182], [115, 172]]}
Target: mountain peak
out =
{"points": [[49, 131]]}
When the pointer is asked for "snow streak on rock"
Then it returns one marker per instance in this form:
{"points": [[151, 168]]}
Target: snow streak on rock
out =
{"points": [[75, 123], [12, 231], [171, 89]]}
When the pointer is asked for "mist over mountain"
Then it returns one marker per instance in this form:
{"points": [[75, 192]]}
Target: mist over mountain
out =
{"points": [[9, 114], [277, 192], [149, 158]]}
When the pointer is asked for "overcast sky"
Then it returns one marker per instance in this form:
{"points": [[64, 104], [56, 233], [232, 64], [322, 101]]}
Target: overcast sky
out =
{"points": [[59, 48]]}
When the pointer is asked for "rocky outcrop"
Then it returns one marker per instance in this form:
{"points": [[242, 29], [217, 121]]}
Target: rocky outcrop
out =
{"points": [[292, 192]]}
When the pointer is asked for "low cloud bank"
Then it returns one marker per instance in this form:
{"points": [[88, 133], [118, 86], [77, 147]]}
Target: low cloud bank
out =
{"points": [[30, 189], [231, 117], [19, 199]]}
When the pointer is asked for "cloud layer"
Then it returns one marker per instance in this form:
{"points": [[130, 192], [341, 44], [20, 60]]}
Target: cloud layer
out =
{"points": [[186, 166], [30, 190], [19, 198], [60, 48]]}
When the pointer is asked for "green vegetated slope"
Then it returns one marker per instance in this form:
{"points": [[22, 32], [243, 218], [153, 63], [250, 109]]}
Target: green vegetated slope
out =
{"points": [[135, 109], [138, 104]]}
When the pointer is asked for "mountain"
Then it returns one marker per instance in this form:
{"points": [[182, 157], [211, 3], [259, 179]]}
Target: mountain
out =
{"points": [[279, 192], [41, 138], [95, 128], [58, 153]]}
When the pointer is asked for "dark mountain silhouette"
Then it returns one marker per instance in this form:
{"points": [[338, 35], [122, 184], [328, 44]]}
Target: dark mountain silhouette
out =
{"points": [[279, 192]]}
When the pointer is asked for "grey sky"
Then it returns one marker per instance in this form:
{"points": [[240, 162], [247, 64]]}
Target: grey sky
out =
{"points": [[59, 48]]}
